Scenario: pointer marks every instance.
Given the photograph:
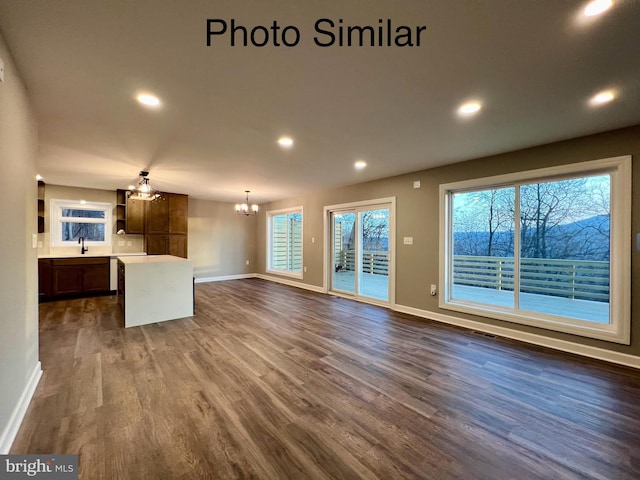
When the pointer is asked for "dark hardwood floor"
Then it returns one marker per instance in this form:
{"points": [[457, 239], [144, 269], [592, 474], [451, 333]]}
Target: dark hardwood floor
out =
{"points": [[268, 381]]}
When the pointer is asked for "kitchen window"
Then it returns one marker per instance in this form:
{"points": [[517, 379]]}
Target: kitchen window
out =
{"points": [[284, 255], [71, 220], [548, 248]]}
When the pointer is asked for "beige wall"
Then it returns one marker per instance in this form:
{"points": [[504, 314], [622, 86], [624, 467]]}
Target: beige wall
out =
{"points": [[130, 243], [18, 272], [220, 241], [417, 216]]}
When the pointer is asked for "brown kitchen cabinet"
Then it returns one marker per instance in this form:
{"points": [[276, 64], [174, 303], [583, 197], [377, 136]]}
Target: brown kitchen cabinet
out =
{"points": [[164, 222], [59, 277], [135, 216], [167, 225], [178, 245], [172, 244], [178, 213], [157, 216]]}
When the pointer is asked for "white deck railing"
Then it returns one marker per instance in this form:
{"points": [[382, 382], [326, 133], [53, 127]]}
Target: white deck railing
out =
{"points": [[373, 261], [586, 280]]}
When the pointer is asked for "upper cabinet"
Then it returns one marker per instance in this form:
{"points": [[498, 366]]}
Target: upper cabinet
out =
{"points": [[121, 210], [135, 216], [178, 213], [167, 215], [157, 213], [164, 221], [167, 225], [129, 213]]}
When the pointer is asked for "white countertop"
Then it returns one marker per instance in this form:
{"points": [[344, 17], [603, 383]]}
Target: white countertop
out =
{"points": [[89, 255], [147, 259]]}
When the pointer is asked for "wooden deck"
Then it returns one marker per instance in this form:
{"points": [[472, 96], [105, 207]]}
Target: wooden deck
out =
{"points": [[372, 285], [566, 307], [271, 382]]}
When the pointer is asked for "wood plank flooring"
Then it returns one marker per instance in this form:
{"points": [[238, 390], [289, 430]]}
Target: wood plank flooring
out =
{"points": [[272, 382]]}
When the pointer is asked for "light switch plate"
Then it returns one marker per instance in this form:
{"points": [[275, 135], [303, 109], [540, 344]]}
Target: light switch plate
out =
{"points": [[416, 184], [34, 240], [1, 70], [408, 240]]}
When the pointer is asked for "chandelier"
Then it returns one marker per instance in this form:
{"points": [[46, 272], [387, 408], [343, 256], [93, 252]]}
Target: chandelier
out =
{"points": [[245, 209], [143, 191]]}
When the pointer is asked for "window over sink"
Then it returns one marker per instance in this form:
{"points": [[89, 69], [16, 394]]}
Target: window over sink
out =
{"points": [[72, 219]]}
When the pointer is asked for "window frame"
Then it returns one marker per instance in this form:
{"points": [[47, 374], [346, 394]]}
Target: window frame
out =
{"points": [[56, 207], [618, 330], [269, 266]]}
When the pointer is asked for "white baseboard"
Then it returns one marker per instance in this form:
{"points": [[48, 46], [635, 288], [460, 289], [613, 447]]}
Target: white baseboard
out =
{"points": [[11, 430], [223, 278], [541, 340], [291, 283]]}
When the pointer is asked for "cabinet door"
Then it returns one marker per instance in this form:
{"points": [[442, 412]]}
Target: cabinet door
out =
{"points": [[95, 277], [178, 245], [178, 213], [135, 216], [67, 279], [44, 277], [157, 244], [157, 216]]}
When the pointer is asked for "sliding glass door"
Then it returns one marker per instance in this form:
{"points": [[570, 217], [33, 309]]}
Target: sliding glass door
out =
{"points": [[360, 253], [373, 254]]}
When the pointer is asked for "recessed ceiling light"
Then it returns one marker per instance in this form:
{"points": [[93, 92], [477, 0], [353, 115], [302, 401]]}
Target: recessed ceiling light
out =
{"points": [[469, 108], [39, 177], [360, 164], [148, 100], [602, 97], [596, 7], [285, 142]]}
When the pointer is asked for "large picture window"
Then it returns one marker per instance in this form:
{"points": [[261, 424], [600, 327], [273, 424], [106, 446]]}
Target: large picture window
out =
{"points": [[548, 248], [71, 220], [285, 242]]}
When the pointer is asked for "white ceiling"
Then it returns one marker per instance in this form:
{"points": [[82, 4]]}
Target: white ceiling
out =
{"points": [[533, 63]]}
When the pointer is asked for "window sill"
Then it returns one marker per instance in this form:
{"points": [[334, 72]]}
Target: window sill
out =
{"points": [[611, 332], [285, 273]]}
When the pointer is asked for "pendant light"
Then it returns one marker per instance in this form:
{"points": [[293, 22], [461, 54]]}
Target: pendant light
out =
{"points": [[245, 209], [144, 191]]}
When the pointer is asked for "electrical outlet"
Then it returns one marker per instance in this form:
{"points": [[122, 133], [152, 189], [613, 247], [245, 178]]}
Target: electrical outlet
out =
{"points": [[121, 243], [434, 290], [305, 269], [39, 244], [313, 239], [1, 70], [129, 243]]}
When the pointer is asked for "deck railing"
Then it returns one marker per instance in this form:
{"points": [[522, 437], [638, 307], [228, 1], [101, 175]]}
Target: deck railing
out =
{"points": [[585, 280], [373, 261]]}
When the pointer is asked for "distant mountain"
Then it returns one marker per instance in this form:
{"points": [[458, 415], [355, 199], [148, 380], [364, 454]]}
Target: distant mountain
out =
{"points": [[586, 239]]}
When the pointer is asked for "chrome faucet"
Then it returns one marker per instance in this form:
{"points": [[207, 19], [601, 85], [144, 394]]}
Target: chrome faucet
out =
{"points": [[83, 249]]}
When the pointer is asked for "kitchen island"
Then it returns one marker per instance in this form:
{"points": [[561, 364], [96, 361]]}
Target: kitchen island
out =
{"points": [[154, 288]]}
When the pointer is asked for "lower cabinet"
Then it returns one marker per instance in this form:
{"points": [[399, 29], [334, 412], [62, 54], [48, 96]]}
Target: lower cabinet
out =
{"points": [[73, 276]]}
